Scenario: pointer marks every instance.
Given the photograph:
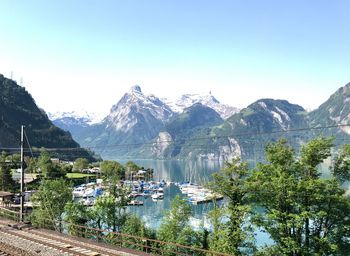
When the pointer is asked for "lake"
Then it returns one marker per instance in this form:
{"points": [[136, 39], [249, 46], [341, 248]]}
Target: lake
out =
{"points": [[199, 172], [178, 171], [175, 171]]}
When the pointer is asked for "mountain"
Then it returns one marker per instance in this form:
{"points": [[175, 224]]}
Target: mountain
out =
{"points": [[74, 121], [194, 117], [82, 117], [245, 134], [132, 112], [136, 119], [209, 100], [135, 109], [179, 129], [17, 107], [199, 127], [336, 110], [267, 115]]}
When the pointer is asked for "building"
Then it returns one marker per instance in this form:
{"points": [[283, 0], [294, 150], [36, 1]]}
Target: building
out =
{"points": [[5, 198]]}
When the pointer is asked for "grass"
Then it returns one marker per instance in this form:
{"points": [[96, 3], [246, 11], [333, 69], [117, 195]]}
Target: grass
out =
{"points": [[78, 175]]}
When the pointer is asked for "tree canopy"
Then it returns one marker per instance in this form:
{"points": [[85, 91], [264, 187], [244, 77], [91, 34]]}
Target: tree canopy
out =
{"points": [[303, 213], [80, 164], [50, 201], [6, 181]]}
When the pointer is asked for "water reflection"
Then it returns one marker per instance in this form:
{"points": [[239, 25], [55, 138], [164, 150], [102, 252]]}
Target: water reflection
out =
{"points": [[199, 172], [152, 211]]}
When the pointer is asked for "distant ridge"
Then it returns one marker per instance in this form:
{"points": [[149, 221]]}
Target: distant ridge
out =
{"points": [[141, 126]]}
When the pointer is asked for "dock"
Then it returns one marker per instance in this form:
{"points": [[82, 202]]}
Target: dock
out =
{"points": [[198, 194]]}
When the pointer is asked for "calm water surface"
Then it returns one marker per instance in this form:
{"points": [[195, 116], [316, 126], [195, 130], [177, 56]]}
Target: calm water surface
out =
{"points": [[199, 172]]}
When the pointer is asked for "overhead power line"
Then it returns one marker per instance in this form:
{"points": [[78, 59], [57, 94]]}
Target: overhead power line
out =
{"points": [[212, 137]]}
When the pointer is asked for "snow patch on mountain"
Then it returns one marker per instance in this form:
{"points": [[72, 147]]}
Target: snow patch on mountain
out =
{"points": [[187, 100], [77, 116], [284, 114], [134, 106], [262, 104], [277, 117]]}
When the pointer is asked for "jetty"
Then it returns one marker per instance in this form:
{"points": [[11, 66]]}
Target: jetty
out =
{"points": [[197, 194]]}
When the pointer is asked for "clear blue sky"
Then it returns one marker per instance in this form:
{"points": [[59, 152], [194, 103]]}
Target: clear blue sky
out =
{"points": [[88, 53]]}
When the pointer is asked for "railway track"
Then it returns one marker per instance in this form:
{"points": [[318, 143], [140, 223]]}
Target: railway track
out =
{"points": [[8, 250], [93, 246], [51, 243]]}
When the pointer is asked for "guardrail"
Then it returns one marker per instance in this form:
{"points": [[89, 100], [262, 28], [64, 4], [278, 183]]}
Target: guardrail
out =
{"points": [[9, 214], [144, 244]]}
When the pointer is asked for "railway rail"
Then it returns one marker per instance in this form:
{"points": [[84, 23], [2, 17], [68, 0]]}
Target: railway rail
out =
{"points": [[9, 250], [80, 242], [84, 240], [49, 243]]}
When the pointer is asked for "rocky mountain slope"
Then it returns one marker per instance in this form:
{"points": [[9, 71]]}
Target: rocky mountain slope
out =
{"points": [[17, 107], [336, 110], [77, 123], [177, 131], [136, 119], [245, 133], [141, 126]]}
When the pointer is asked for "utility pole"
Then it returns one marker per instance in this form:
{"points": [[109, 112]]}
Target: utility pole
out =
{"points": [[22, 177]]}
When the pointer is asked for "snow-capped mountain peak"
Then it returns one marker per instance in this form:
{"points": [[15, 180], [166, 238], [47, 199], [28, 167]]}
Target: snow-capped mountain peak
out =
{"points": [[135, 89], [208, 100], [128, 111], [81, 116]]}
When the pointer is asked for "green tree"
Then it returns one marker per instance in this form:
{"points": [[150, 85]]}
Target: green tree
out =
{"points": [[231, 183], [6, 181], [341, 164], [80, 164], [66, 168], [113, 209], [175, 226], [16, 158], [49, 203], [131, 170], [303, 213], [76, 214], [114, 204], [219, 238], [48, 169], [175, 220], [96, 215], [136, 227], [31, 164], [112, 172]]}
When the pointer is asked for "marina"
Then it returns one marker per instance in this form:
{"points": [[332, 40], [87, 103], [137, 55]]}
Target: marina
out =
{"points": [[195, 194], [88, 193]]}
